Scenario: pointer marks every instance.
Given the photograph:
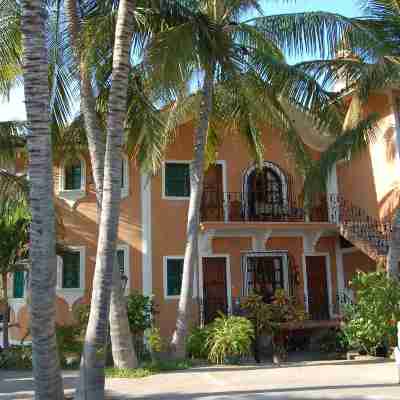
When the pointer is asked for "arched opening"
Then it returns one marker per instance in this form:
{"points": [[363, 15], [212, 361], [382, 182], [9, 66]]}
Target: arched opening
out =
{"points": [[266, 193]]}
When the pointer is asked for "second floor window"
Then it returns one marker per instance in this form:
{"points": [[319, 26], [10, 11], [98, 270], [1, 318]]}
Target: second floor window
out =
{"points": [[177, 179], [71, 267], [73, 176]]}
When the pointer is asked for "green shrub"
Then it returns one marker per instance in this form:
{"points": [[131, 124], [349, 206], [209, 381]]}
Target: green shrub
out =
{"points": [[332, 340], [147, 369], [196, 346], [16, 357], [370, 322], [81, 315], [229, 338], [141, 311], [154, 340]]}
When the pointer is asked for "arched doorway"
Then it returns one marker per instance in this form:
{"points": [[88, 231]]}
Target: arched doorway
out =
{"points": [[266, 193]]}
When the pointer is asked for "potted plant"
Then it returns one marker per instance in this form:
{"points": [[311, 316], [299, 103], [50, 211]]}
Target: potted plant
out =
{"points": [[229, 339]]}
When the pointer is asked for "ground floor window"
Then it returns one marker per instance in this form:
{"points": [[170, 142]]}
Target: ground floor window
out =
{"points": [[173, 269], [264, 273], [18, 284]]}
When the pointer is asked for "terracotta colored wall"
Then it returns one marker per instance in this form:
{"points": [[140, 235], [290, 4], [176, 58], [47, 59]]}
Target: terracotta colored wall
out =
{"points": [[234, 247], [357, 261], [375, 170]]}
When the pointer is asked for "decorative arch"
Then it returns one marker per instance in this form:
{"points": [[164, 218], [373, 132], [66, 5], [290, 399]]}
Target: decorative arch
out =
{"points": [[277, 173]]}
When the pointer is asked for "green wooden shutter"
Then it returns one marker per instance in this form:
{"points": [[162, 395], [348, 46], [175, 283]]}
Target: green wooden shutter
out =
{"points": [[177, 180], [18, 287], [71, 271], [174, 276], [73, 176], [121, 261]]}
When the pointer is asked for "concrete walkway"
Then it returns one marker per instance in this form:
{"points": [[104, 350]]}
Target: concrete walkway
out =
{"points": [[302, 381]]}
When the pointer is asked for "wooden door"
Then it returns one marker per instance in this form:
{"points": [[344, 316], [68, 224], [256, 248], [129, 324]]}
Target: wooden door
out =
{"points": [[317, 284], [214, 287], [212, 208]]}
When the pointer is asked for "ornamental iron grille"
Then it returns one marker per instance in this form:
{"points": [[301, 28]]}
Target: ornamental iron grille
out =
{"points": [[265, 194], [264, 273]]}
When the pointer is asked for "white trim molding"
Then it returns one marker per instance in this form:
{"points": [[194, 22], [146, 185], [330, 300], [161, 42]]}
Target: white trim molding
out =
{"points": [[266, 253], [277, 170], [147, 253], [126, 172], [127, 266], [164, 195], [71, 295], [165, 278], [328, 278], [73, 195]]}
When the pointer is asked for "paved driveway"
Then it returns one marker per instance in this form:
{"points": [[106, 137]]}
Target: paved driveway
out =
{"points": [[322, 381]]}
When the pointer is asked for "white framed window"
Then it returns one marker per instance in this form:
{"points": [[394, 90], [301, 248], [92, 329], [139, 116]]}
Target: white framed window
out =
{"points": [[176, 179], [172, 273], [172, 277], [124, 176], [71, 274], [124, 264], [72, 184]]}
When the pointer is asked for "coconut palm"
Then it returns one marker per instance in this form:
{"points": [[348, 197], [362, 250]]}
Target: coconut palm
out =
{"points": [[46, 366], [91, 385], [122, 346], [212, 41], [364, 67]]}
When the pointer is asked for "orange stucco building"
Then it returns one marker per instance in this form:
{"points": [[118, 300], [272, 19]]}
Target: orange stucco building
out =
{"points": [[254, 231]]}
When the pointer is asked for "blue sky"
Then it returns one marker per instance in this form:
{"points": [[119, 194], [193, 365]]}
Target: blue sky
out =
{"points": [[15, 109]]}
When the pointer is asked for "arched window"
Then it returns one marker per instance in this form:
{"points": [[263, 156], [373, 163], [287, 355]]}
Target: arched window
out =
{"points": [[266, 193]]}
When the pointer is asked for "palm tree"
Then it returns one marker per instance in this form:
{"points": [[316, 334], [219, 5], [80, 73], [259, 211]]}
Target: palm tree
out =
{"points": [[122, 346], [210, 39], [46, 366], [366, 66], [91, 385]]}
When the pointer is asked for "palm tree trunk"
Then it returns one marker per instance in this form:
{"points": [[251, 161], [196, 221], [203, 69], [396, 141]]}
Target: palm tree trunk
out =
{"points": [[123, 351], [91, 386], [394, 248], [6, 343], [196, 191], [46, 366], [94, 134]]}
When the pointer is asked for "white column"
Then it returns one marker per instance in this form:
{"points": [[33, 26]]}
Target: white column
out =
{"points": [[396, 120], [147, 264], [339, 271], [332, 193]]}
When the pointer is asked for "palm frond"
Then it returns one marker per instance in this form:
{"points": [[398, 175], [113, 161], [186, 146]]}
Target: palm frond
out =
{"points": [[315, 33], [12, 140]]}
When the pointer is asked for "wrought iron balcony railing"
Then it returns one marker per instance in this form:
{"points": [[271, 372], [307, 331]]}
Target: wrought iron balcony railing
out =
{"points": [[357, 226], [259, 206]]}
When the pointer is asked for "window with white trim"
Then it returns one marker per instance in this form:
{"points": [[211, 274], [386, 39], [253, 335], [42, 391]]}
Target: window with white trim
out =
{"points": [[72, 181], [71, 269], [173, 269], [176, 179], [124, 176], [18, 284], [74, 176], [123, 263]]}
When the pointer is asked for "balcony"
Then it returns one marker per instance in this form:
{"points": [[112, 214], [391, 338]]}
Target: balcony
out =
{"points": [[261, 206]]}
